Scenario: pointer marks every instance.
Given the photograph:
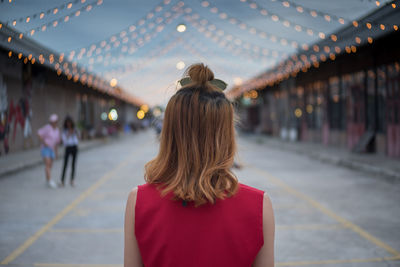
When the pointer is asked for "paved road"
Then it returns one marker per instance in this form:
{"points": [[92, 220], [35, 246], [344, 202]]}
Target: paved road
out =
{"points": [[325, 215]]}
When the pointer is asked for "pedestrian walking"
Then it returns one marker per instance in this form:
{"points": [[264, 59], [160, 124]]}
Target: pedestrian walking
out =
{"points": [[192, 211], [49, 136], [70, 139]]}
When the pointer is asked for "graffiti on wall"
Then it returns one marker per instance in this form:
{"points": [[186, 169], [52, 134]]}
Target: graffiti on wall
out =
{"points": [[4, 126], [15, 115]]}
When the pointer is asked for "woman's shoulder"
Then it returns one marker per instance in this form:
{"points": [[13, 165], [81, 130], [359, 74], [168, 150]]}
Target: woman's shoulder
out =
{"points": [[247, 188], [146, 186], [147, 191], [249, 191]]}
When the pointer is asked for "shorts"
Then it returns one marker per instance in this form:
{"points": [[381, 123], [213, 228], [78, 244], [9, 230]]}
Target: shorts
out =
{"points": [[47, 152]]}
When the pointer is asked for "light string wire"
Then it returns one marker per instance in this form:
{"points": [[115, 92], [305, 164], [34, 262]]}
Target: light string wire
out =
{"points": [[293, 65], [285, 22], [42, 14], [63, 19], [201, 47], [229, 41], [331, 17], [110, 60], [161, 48], [222, 71], [78, 74], [120, 36], [53, 23], [235, 49], [300, 28], [139, 67], [244, 26]]}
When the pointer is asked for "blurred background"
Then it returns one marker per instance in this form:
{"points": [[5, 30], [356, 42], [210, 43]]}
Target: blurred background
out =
{"points": [[316, 87]]}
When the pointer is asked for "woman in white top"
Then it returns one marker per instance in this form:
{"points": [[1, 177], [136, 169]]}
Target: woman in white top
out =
{"points": [[70, 140]]}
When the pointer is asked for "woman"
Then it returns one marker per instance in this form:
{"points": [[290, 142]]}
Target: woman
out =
{"points": [[70, 140], [49, 136], [192, 211]]}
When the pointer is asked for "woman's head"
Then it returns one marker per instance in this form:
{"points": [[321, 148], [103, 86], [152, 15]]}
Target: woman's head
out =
{"points": [[197, 144], [53, 120], [68, 123]]}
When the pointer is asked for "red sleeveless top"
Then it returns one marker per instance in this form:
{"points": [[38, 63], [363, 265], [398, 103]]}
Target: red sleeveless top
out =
{"points": [[227, 233]]}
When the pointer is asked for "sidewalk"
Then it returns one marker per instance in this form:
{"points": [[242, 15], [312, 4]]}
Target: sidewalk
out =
{"points": [[379, 165], [28, 158]]}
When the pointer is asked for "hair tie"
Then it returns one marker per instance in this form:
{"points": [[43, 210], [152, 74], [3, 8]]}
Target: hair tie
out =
{"points": [[216, 82]]}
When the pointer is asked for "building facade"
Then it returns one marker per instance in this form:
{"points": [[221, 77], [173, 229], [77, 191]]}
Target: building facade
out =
{"points": [[30, 92], [352, 101]]}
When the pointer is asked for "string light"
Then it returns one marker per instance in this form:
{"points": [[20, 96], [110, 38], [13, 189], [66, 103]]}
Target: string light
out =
{"points": [[194, 51], [226, 43], [138, 42], [251, 49], [253, 30], [287, 23], [80, 75], [55, 22], [292, 66], [193, 45], [156, 53], [314, 13], [101, 45], [41, 14]]}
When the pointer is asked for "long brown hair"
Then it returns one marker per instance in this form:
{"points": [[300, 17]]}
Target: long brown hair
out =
{"points": [[197, 144]]}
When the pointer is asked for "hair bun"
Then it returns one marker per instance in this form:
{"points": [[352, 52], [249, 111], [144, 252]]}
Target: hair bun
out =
{"points": [[199, 73]]}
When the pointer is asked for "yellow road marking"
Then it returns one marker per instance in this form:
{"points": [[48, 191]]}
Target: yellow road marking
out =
{"points": [[87, 230], [60, 215], [330, 213], [321, 262], [299, 206]]}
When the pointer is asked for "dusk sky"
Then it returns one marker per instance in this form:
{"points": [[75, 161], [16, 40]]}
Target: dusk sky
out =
{"points": [[235, 38]]}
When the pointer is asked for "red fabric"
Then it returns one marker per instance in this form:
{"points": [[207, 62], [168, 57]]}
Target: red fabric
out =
{"points": [[228, 233]]}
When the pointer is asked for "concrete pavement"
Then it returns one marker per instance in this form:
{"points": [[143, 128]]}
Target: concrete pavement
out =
{"points": [[371, 163], [325, 215]]}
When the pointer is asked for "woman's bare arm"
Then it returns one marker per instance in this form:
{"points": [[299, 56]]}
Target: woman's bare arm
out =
{"points": [[132, 256], [265, 258]]}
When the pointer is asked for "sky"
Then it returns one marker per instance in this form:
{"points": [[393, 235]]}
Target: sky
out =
{"points": [[137, 42]]}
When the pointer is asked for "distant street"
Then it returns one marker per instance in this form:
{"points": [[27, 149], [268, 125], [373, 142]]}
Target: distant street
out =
{"points": [[325, 215]]}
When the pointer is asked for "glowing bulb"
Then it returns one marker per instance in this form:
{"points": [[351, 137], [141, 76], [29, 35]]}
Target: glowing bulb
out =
{"points": [[180, 65], [298, 113], [145, 108], [113, 115], [181, 28], [237, 81], [309, 109], [113, 82], [140, 114]]}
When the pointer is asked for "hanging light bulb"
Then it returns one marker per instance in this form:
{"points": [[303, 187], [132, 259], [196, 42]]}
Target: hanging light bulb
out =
{"points": [[181, 27]]}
